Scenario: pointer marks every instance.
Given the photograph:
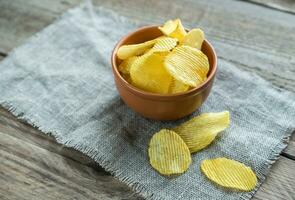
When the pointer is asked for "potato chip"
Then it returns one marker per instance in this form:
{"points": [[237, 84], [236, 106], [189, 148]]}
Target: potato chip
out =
{"points": [[163, 54], [174, 29], [194, 38], [164, 44], [200, 131], [127, 51], [177, 86], [229, 173], [169, 27], [148, 73], [188, 65], [168, 153], [125, 66], [180, 32]]}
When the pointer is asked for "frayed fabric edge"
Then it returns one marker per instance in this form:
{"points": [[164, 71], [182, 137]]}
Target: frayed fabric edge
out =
{"points": [[90, 152], [274, 156]]}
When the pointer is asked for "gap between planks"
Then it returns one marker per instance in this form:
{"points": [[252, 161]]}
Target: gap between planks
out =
{"points": [[2, 55], [287, 6]]}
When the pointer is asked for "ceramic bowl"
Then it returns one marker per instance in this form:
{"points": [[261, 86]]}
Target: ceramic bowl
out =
{"points": [[159, 106]]}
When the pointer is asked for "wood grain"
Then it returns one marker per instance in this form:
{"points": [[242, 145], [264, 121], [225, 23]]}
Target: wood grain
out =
{"points": [[23, 131], [283, 5], [280, 183], [290, 150], [19, 20], [28, 171]]}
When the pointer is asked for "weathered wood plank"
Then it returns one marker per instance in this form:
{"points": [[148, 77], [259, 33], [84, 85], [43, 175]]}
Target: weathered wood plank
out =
{"points": [[31, 172], [20, 20], [23, 131], [280, 183], [290, 150], [283, 5]]}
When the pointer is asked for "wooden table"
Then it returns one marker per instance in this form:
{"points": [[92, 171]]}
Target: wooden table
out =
{"points": [[257, 36]]}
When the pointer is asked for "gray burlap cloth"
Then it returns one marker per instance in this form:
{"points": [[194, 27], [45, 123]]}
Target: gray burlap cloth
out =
{"points": [[61, 81]]}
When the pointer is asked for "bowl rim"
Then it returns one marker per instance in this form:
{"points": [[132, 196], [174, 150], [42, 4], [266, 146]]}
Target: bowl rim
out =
{"points": [[151, 95]]}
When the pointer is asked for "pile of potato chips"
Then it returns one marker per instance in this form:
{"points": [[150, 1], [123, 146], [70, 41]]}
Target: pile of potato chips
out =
{"points": [[169, 64], [170, 152]]}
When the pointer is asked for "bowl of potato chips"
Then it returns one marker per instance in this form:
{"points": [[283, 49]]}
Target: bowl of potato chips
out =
{"points": [[164, 72]]}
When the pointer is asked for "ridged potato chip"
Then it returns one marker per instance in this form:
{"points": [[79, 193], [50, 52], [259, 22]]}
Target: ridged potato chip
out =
{"points": [[169, 27], [194, 38], [164, 44], [157, 45], [148, 73], [229, 173], [168, 153], [188, 65], [127, 51], [173, 28], [177, 86], [200, 131], [126, 64]]}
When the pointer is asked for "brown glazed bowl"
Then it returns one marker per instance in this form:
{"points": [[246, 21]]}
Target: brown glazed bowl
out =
{"points": [[159, 106]]}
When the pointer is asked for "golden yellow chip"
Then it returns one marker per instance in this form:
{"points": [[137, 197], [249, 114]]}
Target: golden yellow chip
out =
{"points": [[177, 86], [163, 54], [125, 66], [200, 131], [229, 173], [148, 73], [194, 38], [164, 44], [127, 51], [169, 27], [188, 65], [168, 153], [180, 32], [174, 28]]}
